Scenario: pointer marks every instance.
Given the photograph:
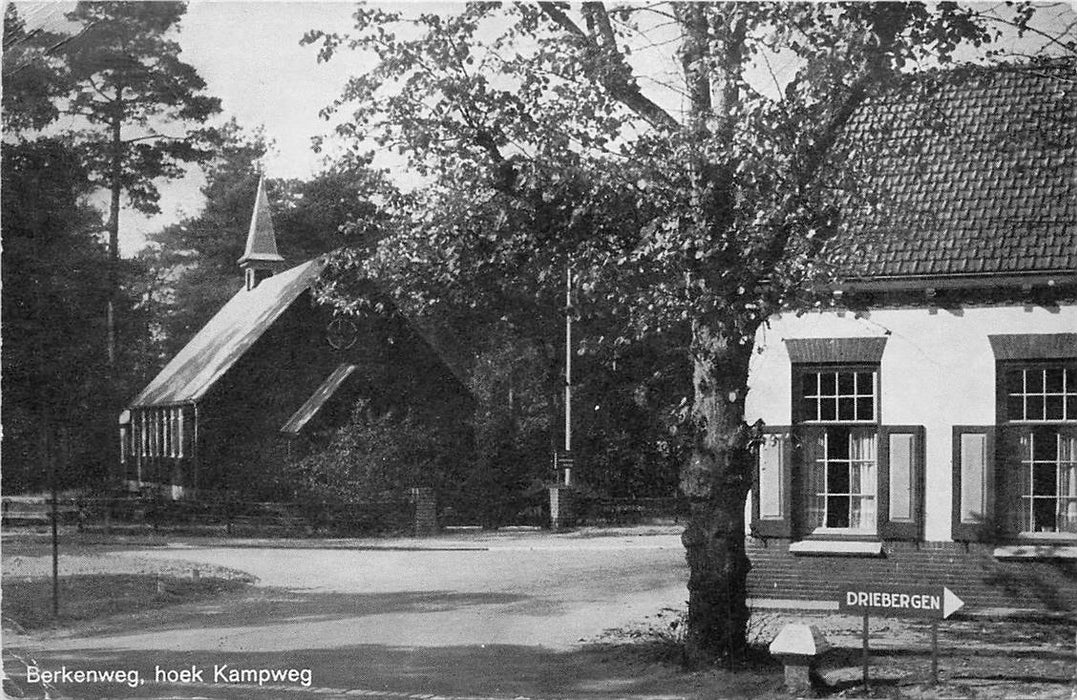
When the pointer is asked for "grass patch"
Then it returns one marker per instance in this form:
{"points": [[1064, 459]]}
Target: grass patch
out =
{"points": [[27, 603]]}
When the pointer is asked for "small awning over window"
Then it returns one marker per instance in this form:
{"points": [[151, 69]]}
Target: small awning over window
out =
{"points": [[849, 350], [314, 404], [1034, 346]]}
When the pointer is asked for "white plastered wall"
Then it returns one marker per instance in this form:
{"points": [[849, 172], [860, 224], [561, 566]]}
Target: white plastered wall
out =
{"points": [[937, 371]]}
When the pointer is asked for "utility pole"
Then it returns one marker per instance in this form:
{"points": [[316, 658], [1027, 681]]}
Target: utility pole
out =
{"points": [[568, 373]]}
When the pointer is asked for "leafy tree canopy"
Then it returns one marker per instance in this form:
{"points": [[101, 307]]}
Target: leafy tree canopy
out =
{"points": [[692, 200]]}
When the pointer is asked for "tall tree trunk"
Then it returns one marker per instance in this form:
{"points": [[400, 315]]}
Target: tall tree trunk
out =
{"points": [[115, 187], [716, 479]]}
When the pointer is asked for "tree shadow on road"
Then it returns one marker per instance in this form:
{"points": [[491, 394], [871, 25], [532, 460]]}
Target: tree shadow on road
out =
{"points": [[277, 606]]}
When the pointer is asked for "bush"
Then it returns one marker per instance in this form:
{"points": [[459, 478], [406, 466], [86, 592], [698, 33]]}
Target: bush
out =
{"points": [[370, 459]]}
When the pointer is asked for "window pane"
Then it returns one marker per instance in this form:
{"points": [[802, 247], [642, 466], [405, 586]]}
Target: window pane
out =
{"points": [[865, 383], [1015, 381], [814, 456], [837, 444], [1034, 381], [862, 516], [865, 409], [1071, 408], [1044, 445], [837, 511], [809, 384], [809, 409], [1015, 408], [1067, 516], [846, 383], [1043, 480], [828, 409], [827, 384], [837, 477], [846, 409], [1053, 408], [1033, 408], [1043, 515], [1071, 380], [1054, 380]]}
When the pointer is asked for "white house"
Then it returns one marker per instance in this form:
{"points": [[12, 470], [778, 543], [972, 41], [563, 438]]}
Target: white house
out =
{"points": [[924, 429]]}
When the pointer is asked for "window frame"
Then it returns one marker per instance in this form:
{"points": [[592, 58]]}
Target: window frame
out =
{"points": [[1010, 497], [803, 427]]}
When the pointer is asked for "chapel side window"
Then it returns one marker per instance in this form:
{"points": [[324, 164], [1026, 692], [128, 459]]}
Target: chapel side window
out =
{"points": [[839, 425], [1041, 413]]}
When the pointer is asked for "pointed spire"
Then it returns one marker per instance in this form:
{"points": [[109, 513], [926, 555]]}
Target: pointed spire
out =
{"points": [[260, 258]]}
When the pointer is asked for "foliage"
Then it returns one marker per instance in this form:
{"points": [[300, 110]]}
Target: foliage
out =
{"points": [[53, 291], [547, 145], [373, 455]]}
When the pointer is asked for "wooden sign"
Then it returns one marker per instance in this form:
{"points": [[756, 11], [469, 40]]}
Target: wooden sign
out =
{"points": [[931, 602]]}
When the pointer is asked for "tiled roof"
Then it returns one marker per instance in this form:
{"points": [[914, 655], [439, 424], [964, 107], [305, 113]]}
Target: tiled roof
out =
{"points": [[969, 172]]}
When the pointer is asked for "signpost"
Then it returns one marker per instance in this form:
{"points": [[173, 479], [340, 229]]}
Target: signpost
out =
{"points": [[926, 602]]}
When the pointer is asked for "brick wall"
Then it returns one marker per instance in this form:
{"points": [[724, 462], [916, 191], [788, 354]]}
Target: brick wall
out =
{"points": [[426, 511], [983, 582]]}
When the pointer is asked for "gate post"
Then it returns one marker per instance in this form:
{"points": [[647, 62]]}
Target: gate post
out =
{"points": [[426, 511], [561, 514]]}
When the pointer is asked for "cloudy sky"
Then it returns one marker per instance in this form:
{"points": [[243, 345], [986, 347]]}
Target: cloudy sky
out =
{"points": [[249, 54]]}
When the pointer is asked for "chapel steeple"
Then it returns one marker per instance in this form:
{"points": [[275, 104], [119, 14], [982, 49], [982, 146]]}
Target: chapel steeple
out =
{"points": [[260, 259]]}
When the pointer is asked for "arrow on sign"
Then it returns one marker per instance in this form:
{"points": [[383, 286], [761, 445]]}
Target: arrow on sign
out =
{"points": [[950, 603]]}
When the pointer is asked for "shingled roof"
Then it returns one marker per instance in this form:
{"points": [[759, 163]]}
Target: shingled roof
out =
{"points": [[225, 339], [968, 172]]}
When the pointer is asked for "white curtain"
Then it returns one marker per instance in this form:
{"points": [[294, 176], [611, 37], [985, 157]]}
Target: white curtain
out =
{"points": [[1067, 483], [862, 480], [815, 459]]}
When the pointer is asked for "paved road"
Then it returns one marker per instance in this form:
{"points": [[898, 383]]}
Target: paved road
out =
{"points": [[488, 617]]}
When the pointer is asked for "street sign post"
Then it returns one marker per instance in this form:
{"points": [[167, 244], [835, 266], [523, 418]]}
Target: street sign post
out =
{"points": [[926, 602]]}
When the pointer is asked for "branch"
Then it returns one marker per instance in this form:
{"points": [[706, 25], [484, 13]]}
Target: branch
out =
{"points": [[1051, 39], [163, 137], [887, 25], [624, 91]]}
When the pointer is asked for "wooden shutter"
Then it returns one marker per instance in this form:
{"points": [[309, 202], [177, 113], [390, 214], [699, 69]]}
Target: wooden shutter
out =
{"points": [[772, 484], [901, 482], [973, 517]]}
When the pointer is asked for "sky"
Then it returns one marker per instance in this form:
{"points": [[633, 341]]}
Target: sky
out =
{"points": [[250, 56]]}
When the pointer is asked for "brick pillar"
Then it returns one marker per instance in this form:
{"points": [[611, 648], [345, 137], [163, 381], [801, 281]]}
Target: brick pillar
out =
{"points": [[561, 514], [426, 511]]}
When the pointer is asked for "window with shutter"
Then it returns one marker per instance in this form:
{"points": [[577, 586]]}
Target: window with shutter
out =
{"points": [[1037, 457], [836, 411], [853, 477]]}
